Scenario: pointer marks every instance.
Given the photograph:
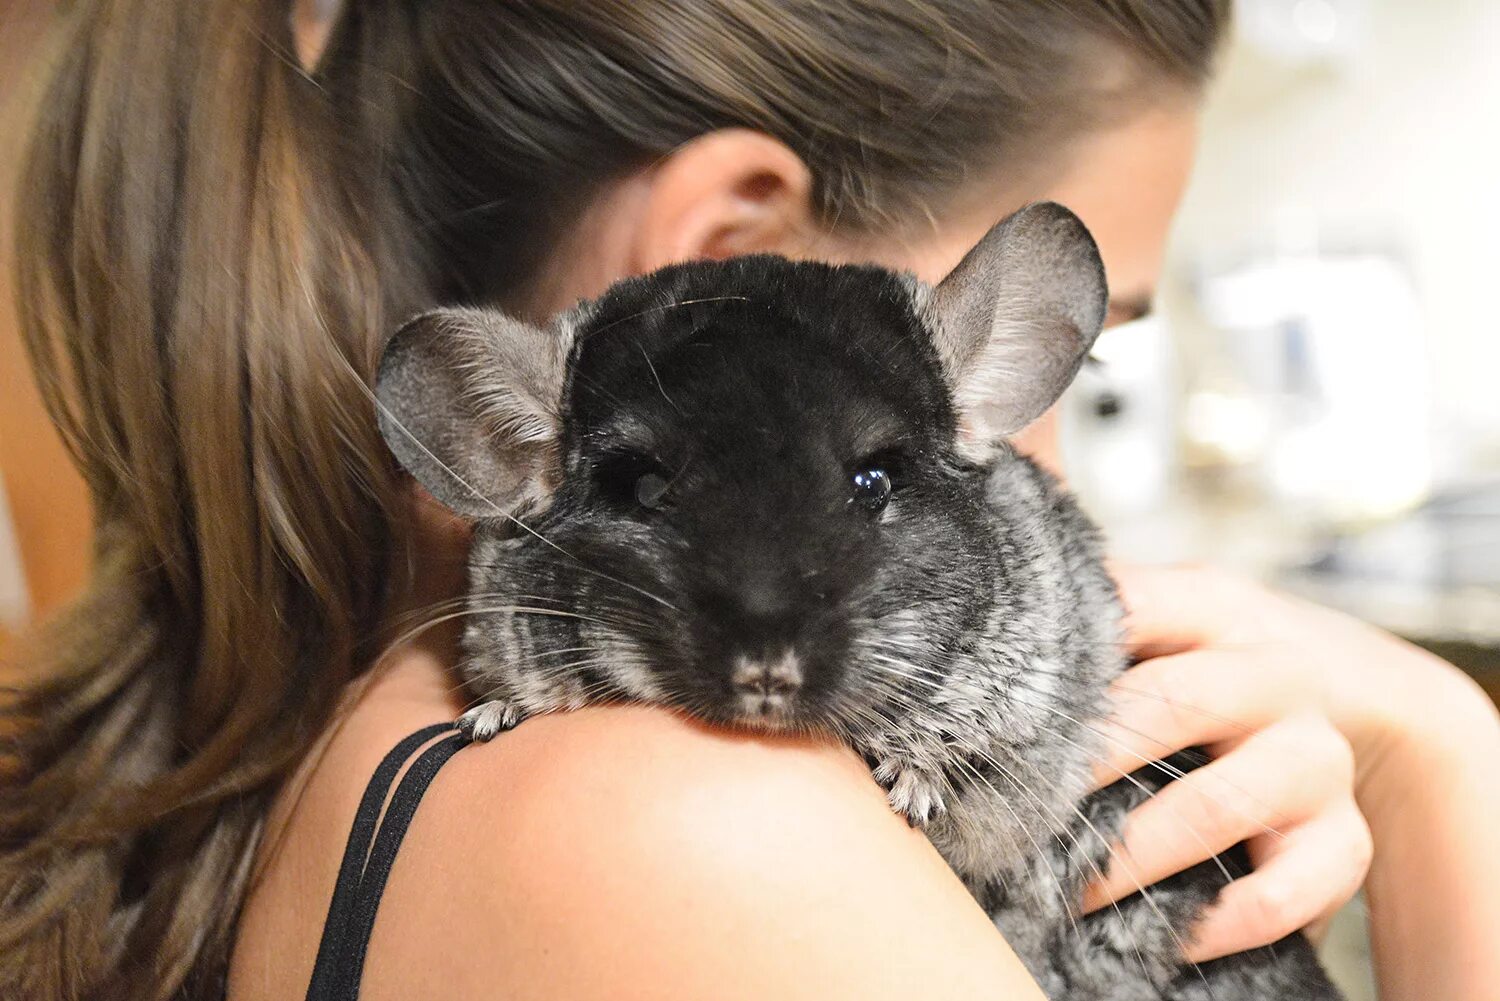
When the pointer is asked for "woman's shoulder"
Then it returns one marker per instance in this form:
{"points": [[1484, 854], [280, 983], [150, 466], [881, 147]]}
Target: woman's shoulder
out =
{"points": [[581, 855]]}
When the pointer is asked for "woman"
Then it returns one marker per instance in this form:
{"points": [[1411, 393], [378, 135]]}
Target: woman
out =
{"points": [[215, 244]]}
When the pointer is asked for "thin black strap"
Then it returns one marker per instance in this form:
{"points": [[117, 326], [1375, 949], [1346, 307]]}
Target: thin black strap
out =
{"points": [[367, 861], [383, 853]]}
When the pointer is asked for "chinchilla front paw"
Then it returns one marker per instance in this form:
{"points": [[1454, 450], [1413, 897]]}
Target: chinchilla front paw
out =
{"points": [[915, 794], [484, 722]]}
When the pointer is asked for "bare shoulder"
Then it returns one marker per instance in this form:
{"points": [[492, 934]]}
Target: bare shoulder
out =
{"points": [[624, 852]]}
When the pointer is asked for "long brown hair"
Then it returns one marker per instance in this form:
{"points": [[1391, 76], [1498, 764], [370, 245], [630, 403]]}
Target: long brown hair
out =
{"points": [[213, 242]]}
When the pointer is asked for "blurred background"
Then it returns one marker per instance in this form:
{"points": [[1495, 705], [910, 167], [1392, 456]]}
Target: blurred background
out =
{"points": [[1314, 402]]}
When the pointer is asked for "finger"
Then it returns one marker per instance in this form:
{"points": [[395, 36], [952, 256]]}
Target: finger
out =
{"points": [[1268, 783], [1317, 931], [1186, 700], [1314, 870], [1169, 609]]}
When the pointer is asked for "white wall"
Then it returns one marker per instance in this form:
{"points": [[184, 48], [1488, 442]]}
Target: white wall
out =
{"points": [[1394, 142]]}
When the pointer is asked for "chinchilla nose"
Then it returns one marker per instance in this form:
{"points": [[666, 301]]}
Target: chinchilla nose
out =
{"points": [[778, 675]]}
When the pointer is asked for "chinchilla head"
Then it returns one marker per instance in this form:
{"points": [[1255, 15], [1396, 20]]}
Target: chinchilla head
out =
{"points": [[743, 489]]}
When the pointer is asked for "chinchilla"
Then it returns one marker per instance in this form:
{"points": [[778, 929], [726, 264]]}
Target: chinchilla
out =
{"points": [[779, 495]]}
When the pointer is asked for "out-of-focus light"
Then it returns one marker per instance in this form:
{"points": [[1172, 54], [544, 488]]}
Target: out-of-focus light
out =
{"points": [[1224, 429], [1317, 20], [1304, 31]]}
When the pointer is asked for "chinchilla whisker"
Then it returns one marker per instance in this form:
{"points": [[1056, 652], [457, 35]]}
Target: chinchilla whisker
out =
{"points": [[589, 694], [499, 511], [891, 666], [557, 672], [422, 627], [1191, 829], [1159, 697], [585, 567], [1086, 707], [436, 606], [462, 685], [1135, 945], [1159, 765], [1093, 866], [1173, 771], [559, 669], [463, 603], [882, 722], [1140, 888], [475, 609], [608, 577], [1055, 824], [1026, 790], [549, 653], [1187, 707], [1062, 894], [523, 573], [530, 610], [535, 657], [1242, 728], [884, 658], [604, 616], [1146, 761], [612, 605], [1155, 764]]}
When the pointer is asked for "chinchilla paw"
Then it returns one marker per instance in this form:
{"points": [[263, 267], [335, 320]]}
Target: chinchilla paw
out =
{"points": [[915, 795], [484, 722]]}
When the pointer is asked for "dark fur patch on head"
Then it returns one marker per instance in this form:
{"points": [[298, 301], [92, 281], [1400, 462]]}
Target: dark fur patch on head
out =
{"points": [[759, 337], [753, 391]]}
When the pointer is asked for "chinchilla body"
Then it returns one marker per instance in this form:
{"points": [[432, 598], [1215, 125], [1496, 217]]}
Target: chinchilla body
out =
{"points": [[779, 496]]}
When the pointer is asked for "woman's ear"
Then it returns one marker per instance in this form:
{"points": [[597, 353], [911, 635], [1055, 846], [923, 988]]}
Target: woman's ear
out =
{"points": [[725, 193]]}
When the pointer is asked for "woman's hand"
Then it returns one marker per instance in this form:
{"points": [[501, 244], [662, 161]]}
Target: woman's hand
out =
{"points": [[1304, 711], [1287, 791]]}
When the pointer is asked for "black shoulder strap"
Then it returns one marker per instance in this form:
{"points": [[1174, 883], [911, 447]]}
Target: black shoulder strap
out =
{"points": [[368, 858]]}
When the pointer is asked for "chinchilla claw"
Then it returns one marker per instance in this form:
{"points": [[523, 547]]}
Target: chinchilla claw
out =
{"points": [[485, 722]]}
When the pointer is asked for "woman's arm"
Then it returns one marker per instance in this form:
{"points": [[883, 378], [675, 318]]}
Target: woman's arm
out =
{"points": [[622, 853], [1433, 803], [1264, 680]]}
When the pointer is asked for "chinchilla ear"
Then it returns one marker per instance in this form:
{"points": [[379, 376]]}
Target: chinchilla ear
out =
{"points": [[468, 402], [1015, 319]]}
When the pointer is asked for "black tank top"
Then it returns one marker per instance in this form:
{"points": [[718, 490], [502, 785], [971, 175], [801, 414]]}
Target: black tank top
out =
{"points": [[373, 842]]}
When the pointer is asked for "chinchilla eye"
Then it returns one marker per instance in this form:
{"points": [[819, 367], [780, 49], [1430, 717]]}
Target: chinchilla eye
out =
{"points": [[872, 489], [651, 491]]}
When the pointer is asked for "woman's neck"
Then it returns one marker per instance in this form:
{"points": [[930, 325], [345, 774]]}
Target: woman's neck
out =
{"points": [[429, 580]]}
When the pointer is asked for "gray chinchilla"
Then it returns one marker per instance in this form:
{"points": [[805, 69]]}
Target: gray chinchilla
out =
{"points": [[779, 495]]}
